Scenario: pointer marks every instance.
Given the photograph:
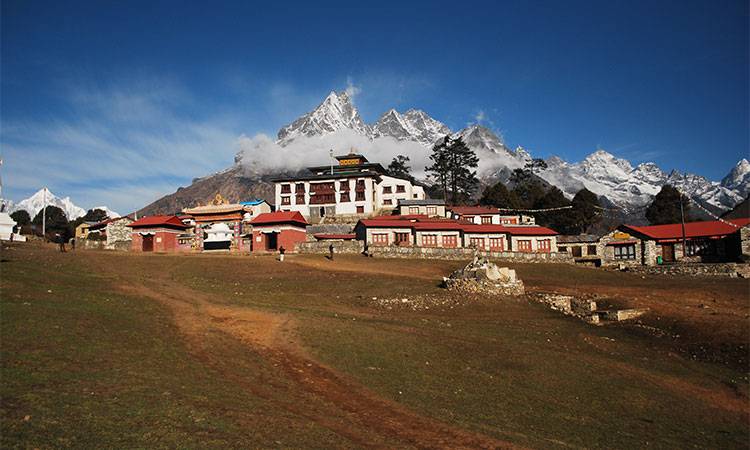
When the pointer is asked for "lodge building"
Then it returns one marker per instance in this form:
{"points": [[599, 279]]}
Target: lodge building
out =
{"points": [[422, 231], [354, 186]]}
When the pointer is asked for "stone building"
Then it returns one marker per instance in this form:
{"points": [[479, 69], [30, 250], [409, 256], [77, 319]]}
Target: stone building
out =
{"points": [[427, 207], [117, 235], [448, 233], [584, 248], [710, 241]]}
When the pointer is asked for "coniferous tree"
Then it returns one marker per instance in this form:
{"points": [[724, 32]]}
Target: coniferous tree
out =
{"points": [[55, 221], [500, 197], [398, 168], [558, 220], [452, 164], [665, 208], [585, 212]]}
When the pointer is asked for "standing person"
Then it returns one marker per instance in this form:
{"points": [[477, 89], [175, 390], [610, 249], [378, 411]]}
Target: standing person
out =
{"points": [[281, 253], [72, 244], [11, 237], [330, 249]]}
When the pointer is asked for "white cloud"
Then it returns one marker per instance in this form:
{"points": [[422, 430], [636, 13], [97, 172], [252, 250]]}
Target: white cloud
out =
{"points": [[352, 90]]}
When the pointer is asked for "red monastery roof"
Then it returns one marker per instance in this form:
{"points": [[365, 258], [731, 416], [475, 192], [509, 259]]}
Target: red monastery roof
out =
{"points": [[159, 221], [692, 229], [280, 217]]}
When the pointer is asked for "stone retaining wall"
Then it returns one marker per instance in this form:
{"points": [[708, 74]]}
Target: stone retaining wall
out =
{"points": [[351, 247], [720, 269], [391, 251]]}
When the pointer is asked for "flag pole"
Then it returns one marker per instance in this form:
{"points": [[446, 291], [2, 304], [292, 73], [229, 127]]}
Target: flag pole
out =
{"points": [[331, 161], [44, 214]]}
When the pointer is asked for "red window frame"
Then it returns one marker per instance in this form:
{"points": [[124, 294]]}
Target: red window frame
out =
{"points": [[477, 242], [543, 245], [524, 245], [497, 243], [429, 240], [450, 240], [380, 238]]}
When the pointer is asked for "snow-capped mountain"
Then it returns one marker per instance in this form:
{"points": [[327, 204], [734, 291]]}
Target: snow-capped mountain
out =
{"points": [[739, 178], [111, 214], [36, 202], [337, 112], [615, 180]]}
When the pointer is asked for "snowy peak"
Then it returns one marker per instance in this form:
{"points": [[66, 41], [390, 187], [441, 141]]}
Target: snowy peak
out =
{"points": [[414, 125], [36, 202], [335, 113], [739, 178]]}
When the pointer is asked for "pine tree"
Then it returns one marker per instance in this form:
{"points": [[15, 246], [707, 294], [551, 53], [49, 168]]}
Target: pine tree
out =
{"points": [[500, 197], [452, 164], [398, 168], [665, 208], [585, 212], [558, 220], [55, 221]]}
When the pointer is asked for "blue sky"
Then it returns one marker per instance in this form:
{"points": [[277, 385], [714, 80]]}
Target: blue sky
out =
{"points": [[119, 103]]}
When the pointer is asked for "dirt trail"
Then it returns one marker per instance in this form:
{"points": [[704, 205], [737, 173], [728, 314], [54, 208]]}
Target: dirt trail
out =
{"points": [[358, 414]]}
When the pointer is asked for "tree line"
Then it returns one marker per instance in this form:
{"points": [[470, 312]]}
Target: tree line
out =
{"points": [[55, 222], [452, 177]]}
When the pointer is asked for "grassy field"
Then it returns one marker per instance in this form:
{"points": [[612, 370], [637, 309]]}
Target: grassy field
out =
{"points": [[117, 350]]}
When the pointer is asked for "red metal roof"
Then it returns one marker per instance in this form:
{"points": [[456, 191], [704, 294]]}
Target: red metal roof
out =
{"points": [[279, 217], [159, 221], [692, 229], [383, 223], [531, 231]]}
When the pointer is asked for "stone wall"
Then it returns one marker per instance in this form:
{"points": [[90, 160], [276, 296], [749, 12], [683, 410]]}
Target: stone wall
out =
{"points": [[391, 251], [350, 247], [721, 269]]}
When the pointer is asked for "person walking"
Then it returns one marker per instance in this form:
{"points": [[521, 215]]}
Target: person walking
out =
{"points": [[330, 249], [281, 253]]}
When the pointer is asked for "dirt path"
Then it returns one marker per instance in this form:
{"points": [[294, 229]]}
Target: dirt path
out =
{"points": [[358, 414]]}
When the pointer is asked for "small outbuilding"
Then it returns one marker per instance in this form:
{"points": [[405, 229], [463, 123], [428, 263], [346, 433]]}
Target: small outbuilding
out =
{"points": [[159, 234], [278, 229]]}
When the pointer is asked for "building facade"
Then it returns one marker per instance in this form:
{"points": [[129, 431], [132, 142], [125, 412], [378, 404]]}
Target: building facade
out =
{"points": [[271, 231], [354, 186], [483, 215], [159, 234]]}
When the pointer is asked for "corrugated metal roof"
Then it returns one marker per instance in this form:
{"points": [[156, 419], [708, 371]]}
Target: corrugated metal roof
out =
{"points": [[279, 217], [159, 221], [692, 229]]}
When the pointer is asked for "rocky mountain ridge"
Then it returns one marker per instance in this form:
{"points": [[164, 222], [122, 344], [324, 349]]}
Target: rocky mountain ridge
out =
{"points": [[619, 184]]}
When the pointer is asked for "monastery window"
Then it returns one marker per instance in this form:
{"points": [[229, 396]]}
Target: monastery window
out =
{"points": [[400, 188], [344, 185], [562, 249], [591, 250], [286, 189], [380, 239], [496, 243], [429, 240], [387, 201], [626, 251], [360, 195], [360, 184], [431, 211], [524, 245], [344, 197], [450, 240], [416, 196], [414, 210], [386, 189], [577, 252], [402, 238], [360, 209], [486, 220], [286, 201], [477, 242], [300, 187], [469, 218], [300, 200], [543, 245]]}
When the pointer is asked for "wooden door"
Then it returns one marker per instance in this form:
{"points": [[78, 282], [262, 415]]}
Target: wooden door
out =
{"points": [[148, 243], [667, 252]]}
